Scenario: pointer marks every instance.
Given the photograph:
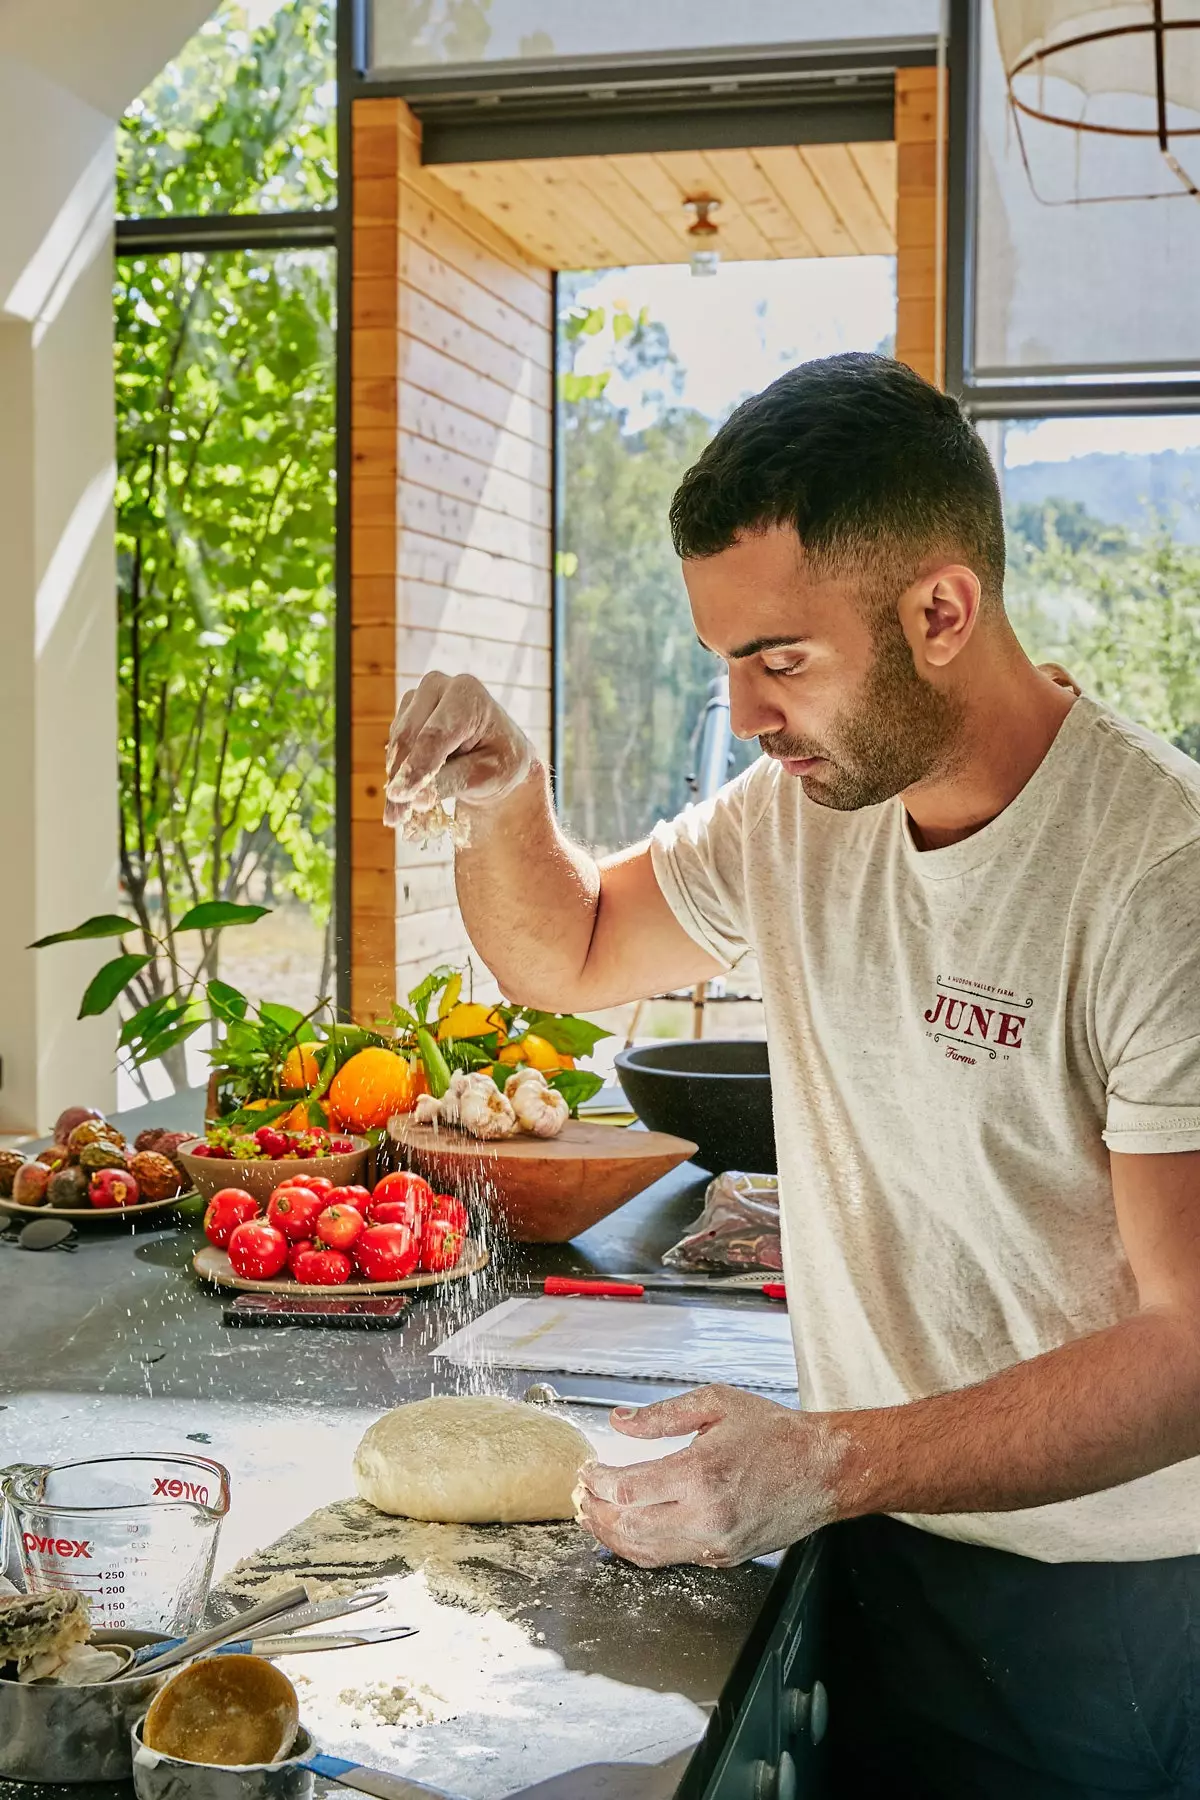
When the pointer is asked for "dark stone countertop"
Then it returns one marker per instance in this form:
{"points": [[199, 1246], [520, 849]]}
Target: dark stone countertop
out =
{"points": [[116, 1346]]}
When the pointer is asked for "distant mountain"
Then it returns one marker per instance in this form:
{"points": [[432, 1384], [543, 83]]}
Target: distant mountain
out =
{"points": [[1121, 490]]}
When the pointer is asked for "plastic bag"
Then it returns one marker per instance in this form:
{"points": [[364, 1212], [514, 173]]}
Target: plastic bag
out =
{"points": [[738, 1229]]}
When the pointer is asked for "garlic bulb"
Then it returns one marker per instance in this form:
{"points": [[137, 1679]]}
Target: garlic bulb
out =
{"points": [[539, 1108], [483, 1110]]}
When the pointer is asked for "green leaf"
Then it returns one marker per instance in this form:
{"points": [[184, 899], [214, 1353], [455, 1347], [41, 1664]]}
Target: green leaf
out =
{"points": [[286, 1017], [211, 914], [500, 1074], [575, 1086], [567, 1034], [424, 992], [159, 1042], [102, 926], [146, 1019], [107, 983], [228, 1003]]}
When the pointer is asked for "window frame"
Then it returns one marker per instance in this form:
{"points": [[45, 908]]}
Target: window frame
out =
{"points": [[1065, 396], [316, 227]]}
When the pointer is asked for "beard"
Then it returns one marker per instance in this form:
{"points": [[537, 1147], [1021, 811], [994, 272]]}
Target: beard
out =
{"points": [[897, 731]]}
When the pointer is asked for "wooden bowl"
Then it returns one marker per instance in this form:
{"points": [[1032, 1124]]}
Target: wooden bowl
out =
{"points": [[209, 1175], [547, 1190]]}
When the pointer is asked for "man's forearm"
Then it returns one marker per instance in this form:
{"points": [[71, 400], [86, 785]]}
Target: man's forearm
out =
{"points": [[1100, 1411], [528, 895]]}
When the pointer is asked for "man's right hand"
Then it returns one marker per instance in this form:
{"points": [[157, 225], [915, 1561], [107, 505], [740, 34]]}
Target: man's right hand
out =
{"points": [[451, 739]]}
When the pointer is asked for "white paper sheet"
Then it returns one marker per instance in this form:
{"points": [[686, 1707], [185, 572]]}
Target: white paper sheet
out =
{"points": [[630, 1339]]}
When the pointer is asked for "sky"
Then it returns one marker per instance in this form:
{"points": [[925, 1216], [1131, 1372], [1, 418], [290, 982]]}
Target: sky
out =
{"points": [[737, 330]]}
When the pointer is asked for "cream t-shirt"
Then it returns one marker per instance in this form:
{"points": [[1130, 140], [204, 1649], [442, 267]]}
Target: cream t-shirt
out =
{"points": [[957, 1039]]}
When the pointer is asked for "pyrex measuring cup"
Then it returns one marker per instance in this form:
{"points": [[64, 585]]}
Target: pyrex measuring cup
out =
{"points": [[136, 1534]]}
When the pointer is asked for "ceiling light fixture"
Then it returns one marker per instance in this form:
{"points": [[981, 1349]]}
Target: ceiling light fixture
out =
{"points": [[705, 257], [1113, 74]]}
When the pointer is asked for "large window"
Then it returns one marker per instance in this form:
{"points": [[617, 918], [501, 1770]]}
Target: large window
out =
{"points": [[650, 362], [1104, 558], [225, 377], [408, 36]]}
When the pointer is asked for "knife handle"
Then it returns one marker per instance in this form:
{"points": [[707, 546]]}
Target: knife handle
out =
{"points": [[570, 1284], [774, 1290]]}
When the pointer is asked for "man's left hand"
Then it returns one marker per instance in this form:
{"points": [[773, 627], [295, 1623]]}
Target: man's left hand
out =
{"points": [[756, 1477]]}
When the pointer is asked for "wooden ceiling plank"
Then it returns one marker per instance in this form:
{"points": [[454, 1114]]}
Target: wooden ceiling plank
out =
{"points": [[876, 163], [524, 210], [623, 198], [696, 174], [569, 184], [755, 192], [850, 198], [795, 182]]}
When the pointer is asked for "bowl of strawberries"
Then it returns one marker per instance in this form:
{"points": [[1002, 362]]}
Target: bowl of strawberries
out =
{"points": [[262, 1160], [312, 1235]]}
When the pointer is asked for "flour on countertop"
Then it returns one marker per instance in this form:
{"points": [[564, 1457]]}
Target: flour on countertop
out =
{"points": [[340, 1547]]}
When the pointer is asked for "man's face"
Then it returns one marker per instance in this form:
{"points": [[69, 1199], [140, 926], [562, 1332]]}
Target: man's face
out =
{"points": [[827, 686]]}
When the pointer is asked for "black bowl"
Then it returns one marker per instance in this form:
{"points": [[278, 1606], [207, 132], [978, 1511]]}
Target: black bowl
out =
{"points": [[716, 1091]]}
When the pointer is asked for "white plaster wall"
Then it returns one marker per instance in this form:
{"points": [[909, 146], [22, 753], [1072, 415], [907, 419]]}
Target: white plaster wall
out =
{"points": [[67, 70]]}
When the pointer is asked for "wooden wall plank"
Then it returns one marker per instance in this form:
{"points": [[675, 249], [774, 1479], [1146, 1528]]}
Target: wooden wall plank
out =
{"points": [[451, 406], [920, 223]]}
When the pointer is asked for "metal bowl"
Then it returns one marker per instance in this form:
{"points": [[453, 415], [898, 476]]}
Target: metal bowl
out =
{"points": [[75, 1734], [159, 1777], [716, 1091]]}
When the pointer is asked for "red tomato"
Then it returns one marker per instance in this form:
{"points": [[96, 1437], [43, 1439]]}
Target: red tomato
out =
{"points": [[298, 1249], [228, 1209], [396, 1212], [318, 1266], [294, 1210], [339, 1226], [257, 1250], [441, 1246], [450, 1208], [357, 1197], [402, 1186], [387, 1252], [316, 1184]]}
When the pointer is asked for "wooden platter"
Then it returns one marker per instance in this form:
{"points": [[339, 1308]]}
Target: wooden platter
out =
{"points": [[213, 1265], [95, 1215], [546, 1189]]}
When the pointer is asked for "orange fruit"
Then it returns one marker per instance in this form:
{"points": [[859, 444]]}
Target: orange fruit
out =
{"points": [[368, 1089], [541, 1054], [296, 1120], [300, 1067]]}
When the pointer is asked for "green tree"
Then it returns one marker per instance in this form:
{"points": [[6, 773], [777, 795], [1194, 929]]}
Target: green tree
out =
{"points": [[1120, 610], [225, 492], [635, 675]]}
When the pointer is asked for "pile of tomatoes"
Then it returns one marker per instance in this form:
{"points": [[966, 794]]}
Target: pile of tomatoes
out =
{"points": [[323, 1235]]}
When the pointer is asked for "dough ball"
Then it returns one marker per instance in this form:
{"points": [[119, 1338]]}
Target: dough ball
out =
{"points": [[471, 1460]]}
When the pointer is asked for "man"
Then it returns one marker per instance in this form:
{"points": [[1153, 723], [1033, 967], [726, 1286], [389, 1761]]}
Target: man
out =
{"points": [[975, 902]]}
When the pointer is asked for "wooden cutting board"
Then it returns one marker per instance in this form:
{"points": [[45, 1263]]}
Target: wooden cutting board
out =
{"points": [[547, 1189]]}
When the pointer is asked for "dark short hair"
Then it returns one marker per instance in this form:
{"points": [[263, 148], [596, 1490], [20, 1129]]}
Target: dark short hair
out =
{"points": [[875, 468]]}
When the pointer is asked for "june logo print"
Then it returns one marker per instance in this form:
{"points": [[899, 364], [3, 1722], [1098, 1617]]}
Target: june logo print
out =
{"points": [[976, 1019]]}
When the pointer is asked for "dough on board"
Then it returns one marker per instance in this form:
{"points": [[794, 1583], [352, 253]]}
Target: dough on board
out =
{"points": [[471, 1460]]}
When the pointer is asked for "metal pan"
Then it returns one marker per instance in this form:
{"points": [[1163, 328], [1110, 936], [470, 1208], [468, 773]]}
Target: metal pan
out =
{"points": [[75, 1734]]}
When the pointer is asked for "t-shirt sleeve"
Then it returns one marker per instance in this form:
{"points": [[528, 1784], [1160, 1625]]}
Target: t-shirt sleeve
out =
{"points": [[699, 863], [1148, 1012]]}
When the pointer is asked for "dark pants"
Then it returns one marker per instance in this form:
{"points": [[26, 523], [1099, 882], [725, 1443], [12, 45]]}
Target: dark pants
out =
{"points": [[958, 1673]]}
